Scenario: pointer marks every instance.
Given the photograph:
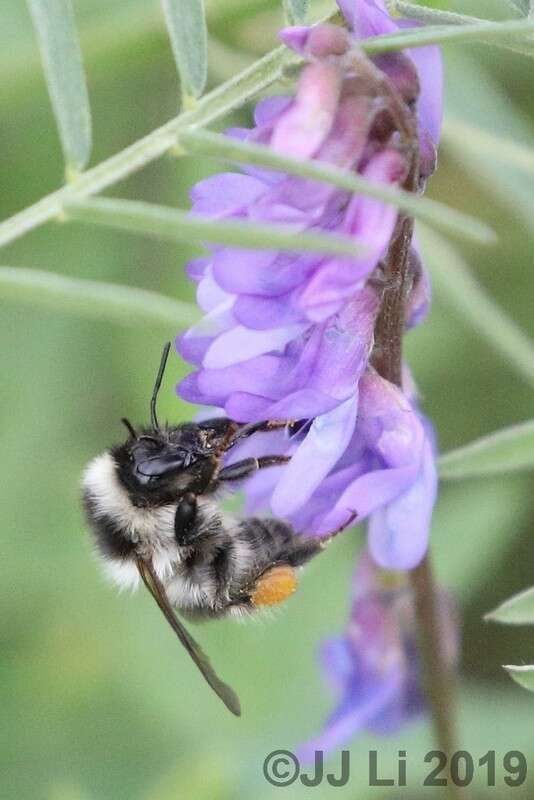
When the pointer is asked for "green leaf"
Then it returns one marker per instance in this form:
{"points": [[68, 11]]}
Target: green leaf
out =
{"points": [[431, 16], [473, 529], [507, 151], [186, 23], [517, 610], [524, 676], [485, 32], [179, 226], [437, 214], [522, 6], [456, 286], [474, 94], [63, 67], [214, 105], [106, 301], [221, 101], [296, 10], [508, 450]]}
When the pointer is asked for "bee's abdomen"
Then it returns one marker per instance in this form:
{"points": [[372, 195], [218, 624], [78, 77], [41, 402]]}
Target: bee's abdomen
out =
{"points": [[276, 553], [273, 541]]}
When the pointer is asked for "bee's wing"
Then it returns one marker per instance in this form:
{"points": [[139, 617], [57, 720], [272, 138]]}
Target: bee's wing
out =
{"points": [[154, 586]]}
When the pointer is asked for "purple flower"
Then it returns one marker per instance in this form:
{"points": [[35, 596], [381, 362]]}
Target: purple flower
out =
{"points": [[313, 374], [260, 301], [374, 457], [370, 18], [374, 667], [289, 336]]}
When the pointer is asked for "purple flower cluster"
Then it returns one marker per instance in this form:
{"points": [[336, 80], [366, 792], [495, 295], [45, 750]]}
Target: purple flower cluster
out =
{"points": [[290, 336], [374, 668], [287, 336]]}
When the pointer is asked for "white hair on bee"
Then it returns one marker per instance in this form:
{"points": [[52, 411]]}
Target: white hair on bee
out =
{"points": [[153, 505]]}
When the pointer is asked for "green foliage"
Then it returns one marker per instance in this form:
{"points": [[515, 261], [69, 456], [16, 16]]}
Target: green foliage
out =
{"points": [[438, 215], [63, 67], [186, 23], [97, 701], [464, 293], [524, 7], [123, 305], [169, 223], [518, 610], [479, 31], [509, 450], [524, 676], [296, 11]]}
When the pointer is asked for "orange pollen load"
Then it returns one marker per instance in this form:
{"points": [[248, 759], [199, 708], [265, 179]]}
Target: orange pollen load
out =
{"points": [[274, 586]]}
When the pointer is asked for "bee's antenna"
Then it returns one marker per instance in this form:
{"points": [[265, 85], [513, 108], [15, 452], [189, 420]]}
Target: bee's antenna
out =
{"points": [[131, 429], [159, 378]]}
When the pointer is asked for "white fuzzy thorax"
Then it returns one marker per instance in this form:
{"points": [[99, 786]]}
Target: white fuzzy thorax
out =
{"points": [[152, 529]]}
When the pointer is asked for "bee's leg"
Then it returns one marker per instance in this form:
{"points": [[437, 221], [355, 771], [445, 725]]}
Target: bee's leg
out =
{"points": [[185, 518], [244, 431], [274, 585], [278, 581], [245, 468], [348, 522]]}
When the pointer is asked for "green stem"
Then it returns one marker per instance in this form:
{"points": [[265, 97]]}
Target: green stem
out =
{"points": [[483, 31], [217, 104], [433, 16], [137, 217], [440, 216], [508, 450], [210, 108], [508, 152], [106, 301], [430, 16], [439, 681]]}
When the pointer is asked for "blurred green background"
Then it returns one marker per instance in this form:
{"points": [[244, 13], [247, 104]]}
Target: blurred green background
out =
{"points": [[97, 701]]}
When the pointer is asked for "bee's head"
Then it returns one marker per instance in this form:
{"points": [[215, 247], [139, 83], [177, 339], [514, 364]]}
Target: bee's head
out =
{"points": [[157, 465]]}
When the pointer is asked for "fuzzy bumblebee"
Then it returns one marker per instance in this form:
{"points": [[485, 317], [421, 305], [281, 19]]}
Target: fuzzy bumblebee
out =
{"points": [[151, 504]]}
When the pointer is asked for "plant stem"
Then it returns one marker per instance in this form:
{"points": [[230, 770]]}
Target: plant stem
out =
{"points": [[111, 302], [455, 223], [439, 682], [223, 100], [387, 360]]}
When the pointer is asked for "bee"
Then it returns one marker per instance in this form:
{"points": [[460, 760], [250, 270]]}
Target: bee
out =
{"points": [[151, 503]]}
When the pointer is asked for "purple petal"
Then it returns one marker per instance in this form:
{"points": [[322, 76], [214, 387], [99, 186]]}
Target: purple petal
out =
{"points": [[367, 17], [302, 404], [225, 193], [365, 495], [304, 126], [295, 37], [210, 295], [326, 441], [352, 717], [188, 390], [240, 344], [195, 269], [430, 104], [269, 109], [261, 272], [263, 313], [398, 532]]}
